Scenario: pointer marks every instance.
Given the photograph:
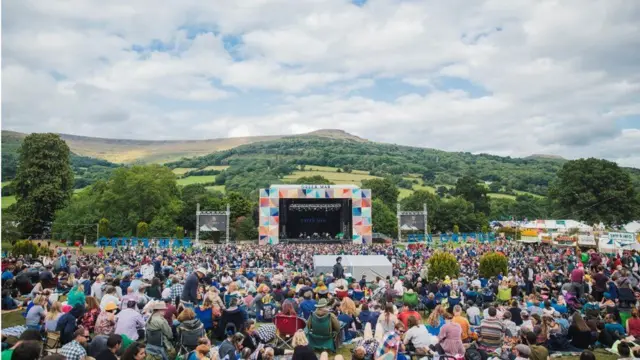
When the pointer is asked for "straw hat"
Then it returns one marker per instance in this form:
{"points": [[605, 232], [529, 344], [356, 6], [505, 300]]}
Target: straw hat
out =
{"points": [[110, 306], [322, 303], [159, 306]]}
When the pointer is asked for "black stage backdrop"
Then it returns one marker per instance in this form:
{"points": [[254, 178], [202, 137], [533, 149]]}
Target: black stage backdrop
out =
{"points": [[308, 216]]}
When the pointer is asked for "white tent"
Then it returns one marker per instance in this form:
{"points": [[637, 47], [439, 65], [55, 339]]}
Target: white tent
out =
{"points": [[356, 265], [559, 225], [632, 227]]}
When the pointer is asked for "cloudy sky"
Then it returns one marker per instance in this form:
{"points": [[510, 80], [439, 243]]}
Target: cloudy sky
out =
{"points": [[509, 77]]}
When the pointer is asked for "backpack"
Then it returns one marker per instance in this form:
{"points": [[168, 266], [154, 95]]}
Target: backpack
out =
{"points": [[473, 354]]}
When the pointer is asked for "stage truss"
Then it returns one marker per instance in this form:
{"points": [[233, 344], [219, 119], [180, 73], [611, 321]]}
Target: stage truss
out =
{"points": [[422, 225], [226, 214]]}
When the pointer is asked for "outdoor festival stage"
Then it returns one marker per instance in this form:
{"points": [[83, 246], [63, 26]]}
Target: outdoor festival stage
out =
{"points": [[315, 214]]}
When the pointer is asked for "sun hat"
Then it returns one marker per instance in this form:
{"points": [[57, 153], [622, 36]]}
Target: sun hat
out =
{"points": [[159, 306], [110, 306], [202, 270], [523, 349], [322, 303]]}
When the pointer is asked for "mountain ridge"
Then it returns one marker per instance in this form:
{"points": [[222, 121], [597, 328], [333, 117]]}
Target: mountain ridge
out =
{"points": [[127, 151]]}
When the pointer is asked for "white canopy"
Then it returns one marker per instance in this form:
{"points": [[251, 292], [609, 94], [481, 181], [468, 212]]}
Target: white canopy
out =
{"points": [[632, 227], [556, 224]]}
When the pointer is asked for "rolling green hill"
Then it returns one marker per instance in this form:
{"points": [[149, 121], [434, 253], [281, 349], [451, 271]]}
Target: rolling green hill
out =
{"points": [[263, 163], [87, 170], [245, 164]]}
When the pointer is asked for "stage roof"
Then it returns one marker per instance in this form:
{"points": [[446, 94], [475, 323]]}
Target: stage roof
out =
{"points": [[294, 186]]}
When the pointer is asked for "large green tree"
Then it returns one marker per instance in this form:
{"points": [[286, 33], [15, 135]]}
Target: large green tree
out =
{"points": [[131, 195], [469, 189], [384, 220], [43, 183], [192, 195], [10, 230], [595, 191], [384, 190], [162, 225], [139, 194], [246, 229], [239, 205]]}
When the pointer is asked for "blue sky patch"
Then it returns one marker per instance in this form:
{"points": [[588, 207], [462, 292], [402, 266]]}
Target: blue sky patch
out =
{"points": [[389, 89], [628, 122], [457, 83]]}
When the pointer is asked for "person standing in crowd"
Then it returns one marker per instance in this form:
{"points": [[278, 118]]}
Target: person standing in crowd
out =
{"points": [[338, 270], [190, 290]]}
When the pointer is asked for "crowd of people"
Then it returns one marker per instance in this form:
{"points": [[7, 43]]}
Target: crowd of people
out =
{"points": [[227, 302]]}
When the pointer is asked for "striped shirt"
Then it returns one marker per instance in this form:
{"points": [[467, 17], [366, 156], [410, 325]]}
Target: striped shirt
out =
{"points": [[491, 334]]}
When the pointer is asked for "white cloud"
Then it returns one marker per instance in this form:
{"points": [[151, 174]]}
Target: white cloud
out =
{"points": [[555, 76]]}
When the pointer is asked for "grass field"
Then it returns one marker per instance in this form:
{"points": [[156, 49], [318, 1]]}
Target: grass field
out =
{"points": [[8, 201], [404, 193], [501, 196], [216, 188], [4, 183], [335, 177], [181, 171], [196, 180], [217, 167], [331, 169]]}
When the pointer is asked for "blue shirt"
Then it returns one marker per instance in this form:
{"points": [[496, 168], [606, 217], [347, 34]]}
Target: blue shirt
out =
{"points": [[615, 327], [7, 275]]}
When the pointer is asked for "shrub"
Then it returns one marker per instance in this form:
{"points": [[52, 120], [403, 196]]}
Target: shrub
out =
{"points": [[492, 264], [103, 227], [142, 230], [45, 251], [442, 264], [25, 247], [179, 232]]}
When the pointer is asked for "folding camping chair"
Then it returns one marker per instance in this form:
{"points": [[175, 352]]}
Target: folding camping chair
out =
{"points": [[52, 344], [188, 340], [286, 327]]}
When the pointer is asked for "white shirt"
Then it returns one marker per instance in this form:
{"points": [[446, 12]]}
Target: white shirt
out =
{"points": [[107, 299], [166, 292], [96, 290], [147, 272], [399, 289], [419, 337], [473, 311]]}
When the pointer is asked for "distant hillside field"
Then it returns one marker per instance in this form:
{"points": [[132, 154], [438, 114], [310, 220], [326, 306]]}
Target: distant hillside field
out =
{"points": [[197, 180], [246, 164]]}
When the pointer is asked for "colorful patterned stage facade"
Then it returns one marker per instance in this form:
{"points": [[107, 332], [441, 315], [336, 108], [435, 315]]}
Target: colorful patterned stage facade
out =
{"points": [[269, 228]]}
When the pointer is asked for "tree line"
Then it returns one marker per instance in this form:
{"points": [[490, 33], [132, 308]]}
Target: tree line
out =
{"points": [[148, 197]]}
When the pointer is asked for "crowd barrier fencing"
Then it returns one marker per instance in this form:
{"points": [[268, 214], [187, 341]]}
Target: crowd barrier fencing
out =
{"points": [[163, 243]]}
